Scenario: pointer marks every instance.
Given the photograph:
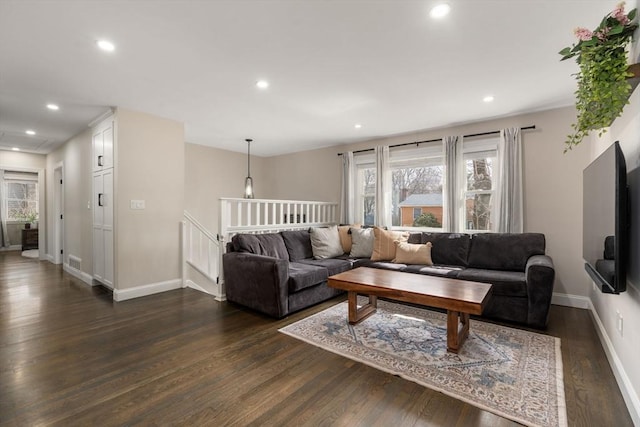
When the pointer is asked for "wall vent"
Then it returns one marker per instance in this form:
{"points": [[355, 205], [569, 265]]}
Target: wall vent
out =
{"points": [[75, 262]]}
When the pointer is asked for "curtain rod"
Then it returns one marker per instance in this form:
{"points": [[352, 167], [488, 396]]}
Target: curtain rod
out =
{"points": [[438, 139]]}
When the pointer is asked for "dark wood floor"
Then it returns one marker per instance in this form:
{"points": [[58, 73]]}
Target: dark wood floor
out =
{"points": [[71, 356]]}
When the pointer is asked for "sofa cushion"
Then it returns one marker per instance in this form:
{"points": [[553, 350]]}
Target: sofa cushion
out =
{"points": [[268, 244], [504, 251], [345, 236], [448, 248], [385, 265], [409, 253], [362, 242], [298, 244], [506, 283], [414, 238], [434, 270], [302, 276], [333, 265], [325, 242], [384, 247]]}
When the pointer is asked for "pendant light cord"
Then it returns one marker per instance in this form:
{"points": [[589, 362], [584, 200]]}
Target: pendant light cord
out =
{"points": [[248, 156]]}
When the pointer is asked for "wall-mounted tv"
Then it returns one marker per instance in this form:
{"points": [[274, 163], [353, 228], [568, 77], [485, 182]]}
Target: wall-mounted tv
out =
{"points": [[605, 220]]}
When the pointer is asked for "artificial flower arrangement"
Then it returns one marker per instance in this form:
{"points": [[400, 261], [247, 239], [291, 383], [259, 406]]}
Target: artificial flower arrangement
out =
{"points": [[603, 89]]}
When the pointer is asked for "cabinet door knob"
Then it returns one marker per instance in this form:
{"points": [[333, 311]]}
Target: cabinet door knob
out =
{"points": [[100, 196], [100, 163]]}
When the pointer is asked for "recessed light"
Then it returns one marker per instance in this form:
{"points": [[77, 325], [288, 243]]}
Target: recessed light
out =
{"points": [[262, 84], [357, 126], [30, 132], [53, 107], [15, 149], [488, 98], [440, 11], [106, 45]]}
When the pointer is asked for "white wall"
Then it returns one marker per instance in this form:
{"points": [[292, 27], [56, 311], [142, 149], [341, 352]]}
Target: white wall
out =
{"points": [[624, 348], [149, 166], [75, 157], [553, 183]]}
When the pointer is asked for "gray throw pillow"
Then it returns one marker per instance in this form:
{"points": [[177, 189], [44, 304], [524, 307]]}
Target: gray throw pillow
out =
{"points": [[325, 242], [362, 242]]}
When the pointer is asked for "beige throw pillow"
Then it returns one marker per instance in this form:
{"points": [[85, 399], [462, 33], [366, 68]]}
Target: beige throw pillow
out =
{"points": [[345, 237], [325, 242], [384, 248], [412, 253]]}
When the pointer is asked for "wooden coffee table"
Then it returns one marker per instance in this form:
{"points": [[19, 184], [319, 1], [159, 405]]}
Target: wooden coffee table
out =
{"points": [[459, 297]]}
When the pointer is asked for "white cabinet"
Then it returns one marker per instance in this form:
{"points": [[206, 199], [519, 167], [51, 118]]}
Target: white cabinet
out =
{"points": [[103, 198], [103, 146]]}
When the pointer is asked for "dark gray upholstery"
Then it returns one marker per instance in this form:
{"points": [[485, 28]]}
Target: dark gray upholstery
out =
{"points": [[448, 248], [508, 283], [302, 276], [298, 244], [504, 251], [275, 273], [268, 244], [331, 265]]}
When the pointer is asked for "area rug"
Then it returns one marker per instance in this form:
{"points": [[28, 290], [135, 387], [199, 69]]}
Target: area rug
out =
{"points": [[31, 253], [513, 373]]}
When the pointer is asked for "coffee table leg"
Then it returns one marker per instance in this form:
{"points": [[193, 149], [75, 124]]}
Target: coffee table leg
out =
{"points": [[457, 331], [356, 315]]}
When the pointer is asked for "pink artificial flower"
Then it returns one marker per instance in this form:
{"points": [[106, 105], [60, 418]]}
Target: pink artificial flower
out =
{"points": [[583, 33], [602, 34], [619, 15]]}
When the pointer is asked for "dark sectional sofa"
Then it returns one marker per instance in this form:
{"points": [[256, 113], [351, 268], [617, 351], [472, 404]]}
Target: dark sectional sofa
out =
{"points": [[275, 273]]}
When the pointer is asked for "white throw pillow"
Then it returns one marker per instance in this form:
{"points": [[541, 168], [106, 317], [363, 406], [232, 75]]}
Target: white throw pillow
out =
{"points": [[325, 242], [362, 242]]}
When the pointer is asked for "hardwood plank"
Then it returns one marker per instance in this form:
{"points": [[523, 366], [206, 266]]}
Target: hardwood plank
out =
{"points": [[72, 356]]}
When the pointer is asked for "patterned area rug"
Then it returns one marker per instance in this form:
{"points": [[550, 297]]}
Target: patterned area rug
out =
{"points": [[513, 373]]}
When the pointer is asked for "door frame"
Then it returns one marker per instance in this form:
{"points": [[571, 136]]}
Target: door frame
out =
{"points": [[58, 213]]}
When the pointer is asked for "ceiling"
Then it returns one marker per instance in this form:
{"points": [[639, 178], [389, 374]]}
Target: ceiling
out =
{"points": [[331, 64]]}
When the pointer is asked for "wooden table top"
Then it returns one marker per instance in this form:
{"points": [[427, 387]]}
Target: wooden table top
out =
{"points": [[442, 292]]}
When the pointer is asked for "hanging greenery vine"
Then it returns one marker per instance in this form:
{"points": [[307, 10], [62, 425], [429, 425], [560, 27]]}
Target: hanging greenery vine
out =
{"points": [[603, 89]]}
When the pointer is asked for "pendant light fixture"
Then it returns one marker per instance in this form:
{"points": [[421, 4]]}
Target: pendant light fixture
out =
{"points": [[248, 181]]}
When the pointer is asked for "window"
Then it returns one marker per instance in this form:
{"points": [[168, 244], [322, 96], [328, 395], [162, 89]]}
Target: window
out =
{"points": [[21, 197], [365, 191], [480, 157], [417, 182]]}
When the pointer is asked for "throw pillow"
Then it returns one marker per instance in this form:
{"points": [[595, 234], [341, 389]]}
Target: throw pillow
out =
{"points": [[325, 242], [412, 253], [345, 237], [384, 248], [362, 242]]}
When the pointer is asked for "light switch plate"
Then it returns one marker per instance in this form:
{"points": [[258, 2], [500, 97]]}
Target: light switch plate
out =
{"points": [[137, 204]]}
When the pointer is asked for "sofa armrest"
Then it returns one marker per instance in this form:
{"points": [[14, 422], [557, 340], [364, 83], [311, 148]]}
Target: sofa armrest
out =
{"points": [[540, 275], [257, 281]]}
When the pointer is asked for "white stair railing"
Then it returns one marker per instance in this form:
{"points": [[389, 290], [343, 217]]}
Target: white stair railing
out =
{"points": [[201, 251]]}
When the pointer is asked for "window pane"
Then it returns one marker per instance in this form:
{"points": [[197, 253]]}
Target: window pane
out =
{"points": [[480, 174], [22, 201], [478, 211], [366, 195], [417, 196]]}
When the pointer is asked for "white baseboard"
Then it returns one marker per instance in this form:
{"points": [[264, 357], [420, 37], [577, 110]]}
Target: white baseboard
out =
{"points": [[626, 388], [48, 257], [86, 278], [144, 290], [568, 300], [193, 285], [11, 248]]}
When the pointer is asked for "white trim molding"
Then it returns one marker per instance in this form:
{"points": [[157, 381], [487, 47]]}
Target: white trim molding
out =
{"points": [[85, 277], [626, 388], [568, 300], [144, 290]]}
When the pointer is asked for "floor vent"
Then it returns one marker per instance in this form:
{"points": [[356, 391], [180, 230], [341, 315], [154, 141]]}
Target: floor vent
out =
{"points": [[75, 262]]}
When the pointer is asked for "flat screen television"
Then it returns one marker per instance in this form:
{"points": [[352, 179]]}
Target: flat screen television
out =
{"points": [[605, 220]]}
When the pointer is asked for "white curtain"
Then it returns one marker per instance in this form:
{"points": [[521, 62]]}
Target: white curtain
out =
{"points": [[509, 198], [454, 178], [347, 194], [383, 187], [4, 237]]}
